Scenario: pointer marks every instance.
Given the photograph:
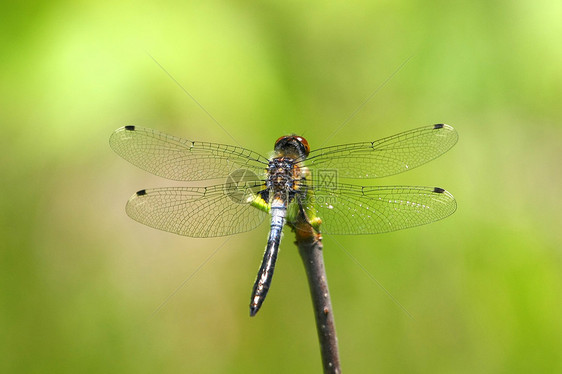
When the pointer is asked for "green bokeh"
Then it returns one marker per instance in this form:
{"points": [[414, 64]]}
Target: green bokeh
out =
{"points": [[80, 282]]}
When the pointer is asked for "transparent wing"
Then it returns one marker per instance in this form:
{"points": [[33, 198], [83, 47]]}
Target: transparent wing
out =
{"points": [[180, 159], [349, 209], [199, 212], [387, 156]]}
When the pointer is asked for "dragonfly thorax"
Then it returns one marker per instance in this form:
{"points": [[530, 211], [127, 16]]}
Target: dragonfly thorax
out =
{"points": [[282, 175]]}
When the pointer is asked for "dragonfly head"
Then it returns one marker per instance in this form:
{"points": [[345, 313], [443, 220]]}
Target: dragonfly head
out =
{"points": [[293, 146]]}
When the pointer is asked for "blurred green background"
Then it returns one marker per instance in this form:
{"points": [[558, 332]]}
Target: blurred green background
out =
{"points": [[80, 281]]}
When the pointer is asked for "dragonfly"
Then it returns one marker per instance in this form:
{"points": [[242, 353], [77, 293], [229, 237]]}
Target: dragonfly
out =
{"points": [[294, 185]]}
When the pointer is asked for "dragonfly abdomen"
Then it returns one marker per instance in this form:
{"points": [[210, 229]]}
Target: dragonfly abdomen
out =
{"points": [[265, 274]]}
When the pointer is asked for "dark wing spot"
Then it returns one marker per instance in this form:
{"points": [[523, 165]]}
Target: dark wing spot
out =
{"points": [[439, 126], [141, 193], [438, 190], [130, 128]]}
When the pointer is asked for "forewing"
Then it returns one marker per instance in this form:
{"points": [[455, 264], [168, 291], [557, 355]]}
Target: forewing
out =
{"points": [[199, 212], [181, 159], [387, 156], [349, 209]]}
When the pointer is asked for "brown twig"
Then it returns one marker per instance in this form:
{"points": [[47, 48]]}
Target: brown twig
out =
{"points": [[310, 249]]}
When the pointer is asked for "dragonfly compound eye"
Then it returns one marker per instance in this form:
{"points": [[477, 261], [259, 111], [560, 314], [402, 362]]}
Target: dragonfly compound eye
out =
{"points": [[304, 143], [292, 144], [281, 139]]}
